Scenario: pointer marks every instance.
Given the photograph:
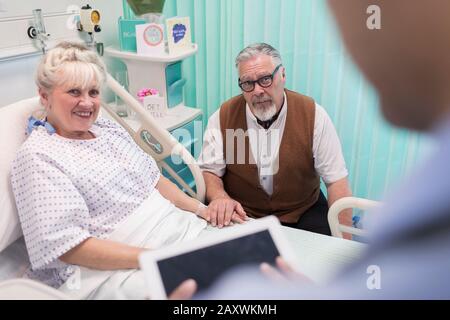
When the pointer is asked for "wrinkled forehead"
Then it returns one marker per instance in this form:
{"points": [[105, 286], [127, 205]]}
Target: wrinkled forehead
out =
{"points": [[255, 67]]}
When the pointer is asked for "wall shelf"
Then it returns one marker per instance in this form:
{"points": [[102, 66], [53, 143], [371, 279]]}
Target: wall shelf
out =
{"points": [[167, 58]]}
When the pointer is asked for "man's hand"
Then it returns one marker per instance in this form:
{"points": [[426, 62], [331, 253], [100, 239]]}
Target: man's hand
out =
{"points": [[223, 211]]}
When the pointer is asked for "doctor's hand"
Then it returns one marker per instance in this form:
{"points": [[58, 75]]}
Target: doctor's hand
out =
{"points": [[283, 273], [184, 291], [224, 211]]}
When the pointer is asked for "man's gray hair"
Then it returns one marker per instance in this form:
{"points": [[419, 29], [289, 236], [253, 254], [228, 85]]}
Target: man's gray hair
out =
{"points": [[257, 49]]}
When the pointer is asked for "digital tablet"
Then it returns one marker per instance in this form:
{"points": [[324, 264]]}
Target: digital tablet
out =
{"points": [[208, 257]]}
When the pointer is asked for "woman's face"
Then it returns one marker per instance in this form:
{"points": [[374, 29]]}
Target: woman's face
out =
{"points": [[72, 110]]}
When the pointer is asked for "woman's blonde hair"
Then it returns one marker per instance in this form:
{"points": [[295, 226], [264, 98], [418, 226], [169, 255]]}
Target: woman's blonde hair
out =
{"points": [[70, 63]]}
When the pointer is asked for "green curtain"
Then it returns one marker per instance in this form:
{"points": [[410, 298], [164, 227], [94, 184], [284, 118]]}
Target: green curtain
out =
{"points": [[376, 154]]}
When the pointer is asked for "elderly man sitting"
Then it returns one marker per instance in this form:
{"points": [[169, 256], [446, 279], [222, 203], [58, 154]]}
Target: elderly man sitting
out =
{"points": [[265, 150]]}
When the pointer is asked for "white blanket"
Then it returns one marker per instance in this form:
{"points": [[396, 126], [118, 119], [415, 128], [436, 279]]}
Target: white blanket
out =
{"points": [[159, 223], [156, 223]]}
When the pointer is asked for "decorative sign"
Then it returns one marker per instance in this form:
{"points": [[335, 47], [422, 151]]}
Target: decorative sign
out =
{"points": [[178, 34], [156, 105], [150, 39]]}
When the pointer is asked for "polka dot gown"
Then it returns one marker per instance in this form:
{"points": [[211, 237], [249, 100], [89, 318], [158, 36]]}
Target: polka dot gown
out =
{"points": [[69, 190]]}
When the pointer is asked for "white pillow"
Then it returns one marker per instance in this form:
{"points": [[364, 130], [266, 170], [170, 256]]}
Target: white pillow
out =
{"points": [[13, 123]]}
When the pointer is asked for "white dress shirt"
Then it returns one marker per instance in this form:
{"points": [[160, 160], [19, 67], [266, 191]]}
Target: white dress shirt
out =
{"points": [[328, 159]]}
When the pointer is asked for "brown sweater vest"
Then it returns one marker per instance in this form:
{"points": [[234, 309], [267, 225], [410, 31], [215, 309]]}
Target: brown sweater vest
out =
{"points": [[296, 185]]}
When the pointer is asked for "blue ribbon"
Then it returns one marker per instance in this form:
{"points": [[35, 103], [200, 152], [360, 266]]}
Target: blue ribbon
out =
{"points": [[34, 123]]}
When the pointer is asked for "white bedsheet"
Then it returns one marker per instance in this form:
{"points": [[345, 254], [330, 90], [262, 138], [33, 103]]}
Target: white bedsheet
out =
{"points": [[321, 257], [318, 257]]}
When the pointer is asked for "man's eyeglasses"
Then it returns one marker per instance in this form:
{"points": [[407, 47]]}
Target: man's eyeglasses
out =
{"points": [[265, 82]]}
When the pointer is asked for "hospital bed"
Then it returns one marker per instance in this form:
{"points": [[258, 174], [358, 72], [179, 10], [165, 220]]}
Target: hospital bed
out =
{"points": [[319, 256]]}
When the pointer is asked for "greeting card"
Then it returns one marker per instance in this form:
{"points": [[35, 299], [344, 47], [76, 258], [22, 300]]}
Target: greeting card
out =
{"points": [[178, 34], [150, 39]]}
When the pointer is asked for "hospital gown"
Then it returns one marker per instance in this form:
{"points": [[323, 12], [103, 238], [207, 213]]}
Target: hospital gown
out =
{"points": [[69, 190]]}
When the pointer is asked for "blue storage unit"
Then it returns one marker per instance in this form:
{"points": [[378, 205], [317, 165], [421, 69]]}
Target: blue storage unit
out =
{"points": [[175, 83]]}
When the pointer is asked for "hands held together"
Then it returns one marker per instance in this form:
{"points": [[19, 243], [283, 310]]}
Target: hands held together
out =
{"points": [[223, 212]]}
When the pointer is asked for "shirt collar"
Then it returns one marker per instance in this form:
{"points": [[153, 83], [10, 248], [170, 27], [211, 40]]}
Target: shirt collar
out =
{"points": [[34, 123]]}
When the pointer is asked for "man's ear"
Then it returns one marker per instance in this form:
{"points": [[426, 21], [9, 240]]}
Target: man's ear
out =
{"points": [[283, 75]]}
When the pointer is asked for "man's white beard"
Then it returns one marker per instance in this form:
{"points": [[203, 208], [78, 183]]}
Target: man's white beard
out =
{"points": [[265, 114]]}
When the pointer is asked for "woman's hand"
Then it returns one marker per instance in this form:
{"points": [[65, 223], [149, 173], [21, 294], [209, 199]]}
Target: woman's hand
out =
{"points": [[220, 212]]}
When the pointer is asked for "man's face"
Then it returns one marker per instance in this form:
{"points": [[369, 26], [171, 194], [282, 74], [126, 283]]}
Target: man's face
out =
{"points": [[263, 102], [407, 60]]}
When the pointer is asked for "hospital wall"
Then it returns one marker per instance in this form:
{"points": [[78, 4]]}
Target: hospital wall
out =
{"points": [[17, 75], [317, 65]]}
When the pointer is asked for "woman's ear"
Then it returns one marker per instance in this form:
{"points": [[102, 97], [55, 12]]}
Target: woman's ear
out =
{"points": [[43, 94]]}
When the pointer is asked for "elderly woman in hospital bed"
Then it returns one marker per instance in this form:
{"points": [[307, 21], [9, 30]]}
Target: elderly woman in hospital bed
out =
{"points": [[89, 199]]}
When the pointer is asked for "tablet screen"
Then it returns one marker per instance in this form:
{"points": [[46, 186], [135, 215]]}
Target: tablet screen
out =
{"points": [[206, 265]]}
